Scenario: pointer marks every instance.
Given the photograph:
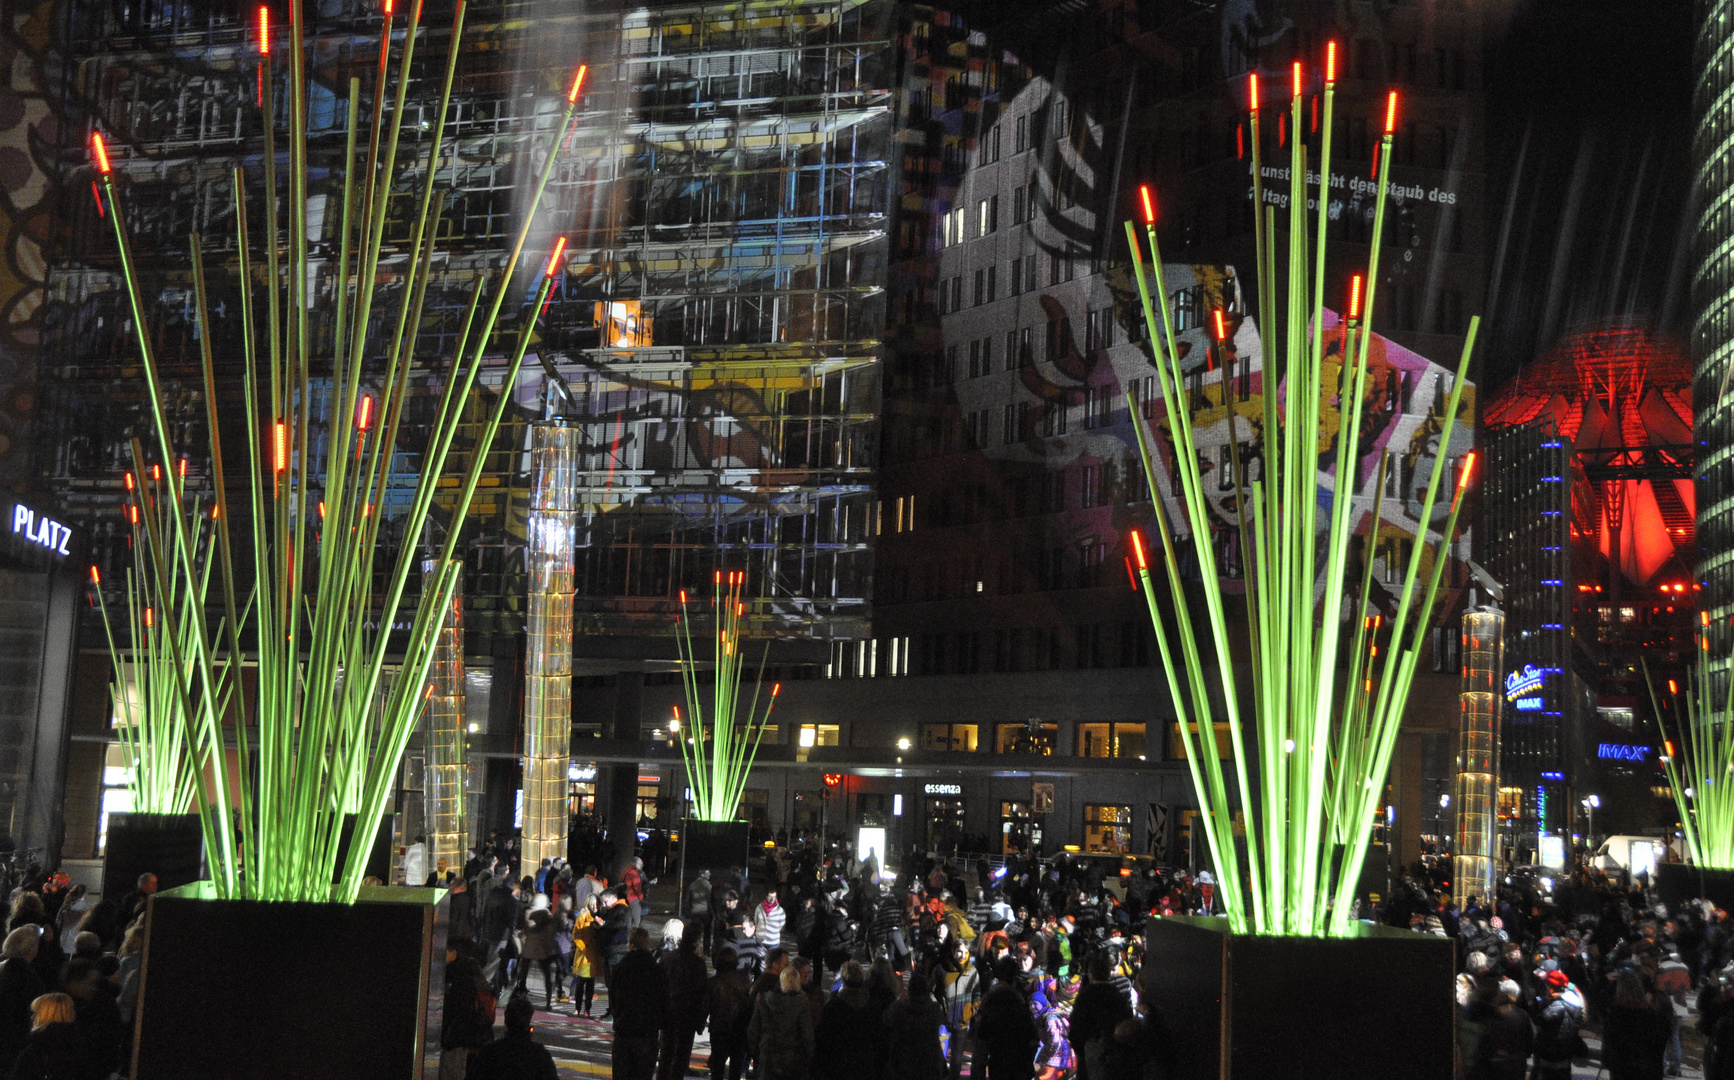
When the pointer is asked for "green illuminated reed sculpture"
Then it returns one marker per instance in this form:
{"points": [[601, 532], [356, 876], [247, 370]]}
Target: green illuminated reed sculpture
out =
{"points": [[1699, 759], [1324, 720], [165, 749], [323, 717], [719, 753]]}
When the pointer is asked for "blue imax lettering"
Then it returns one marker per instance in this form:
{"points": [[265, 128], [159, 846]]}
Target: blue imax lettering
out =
{"points": [[40, 530], [1623, 752]]}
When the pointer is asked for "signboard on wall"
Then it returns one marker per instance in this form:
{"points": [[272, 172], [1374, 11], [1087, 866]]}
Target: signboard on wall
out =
{"points": [[1041, 798]]}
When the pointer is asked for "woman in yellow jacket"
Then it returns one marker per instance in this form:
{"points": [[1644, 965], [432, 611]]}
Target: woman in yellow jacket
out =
{"points": [[586, 957]]}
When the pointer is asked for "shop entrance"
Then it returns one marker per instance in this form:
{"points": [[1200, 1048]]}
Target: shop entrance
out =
{"points": [[1020, 831], [944, 824]]}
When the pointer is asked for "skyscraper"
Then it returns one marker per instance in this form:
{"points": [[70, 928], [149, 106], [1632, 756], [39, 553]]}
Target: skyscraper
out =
{"points": [[1713, 322]]}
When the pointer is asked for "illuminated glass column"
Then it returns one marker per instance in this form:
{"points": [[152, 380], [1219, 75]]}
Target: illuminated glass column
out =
{"points": [[548, 655], [1713, 320], [1477, 789], [443, 777]]}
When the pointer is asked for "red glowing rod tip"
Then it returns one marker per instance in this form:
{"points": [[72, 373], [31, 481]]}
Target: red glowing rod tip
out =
{"points": [[1391, 113], [1468, 469], [388, 7], [1330, 62], [577, 84], [280, 446], [99, 150], [1297, 78], [366, 415], [1138, 550], [150, 617], [265, 28], [1252, 90], [554, 259], [1149, 204], [776, 688], [1221, 329], [1355, 297], [95, 576]]}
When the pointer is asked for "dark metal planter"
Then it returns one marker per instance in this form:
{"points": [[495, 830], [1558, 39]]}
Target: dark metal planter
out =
{"points": [[717, 846], [1377, 1006], [1679, 882], [171, 846], [255, 990]]}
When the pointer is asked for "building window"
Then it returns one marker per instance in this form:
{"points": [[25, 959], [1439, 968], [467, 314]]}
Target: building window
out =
{"points": [[987, 215], [820, 735], [960, 737], [648, 800], [1021, 140], [1224, 741], [116, 791], [1030, 737], [1111, 740], [1107, 829]]}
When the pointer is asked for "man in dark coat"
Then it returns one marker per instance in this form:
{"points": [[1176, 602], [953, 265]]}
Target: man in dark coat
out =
{"points": [[638, 1000], [98, 1029], [1098, 1010], [516, 1056], [614, 938], [687, 993], [468, 1019]]}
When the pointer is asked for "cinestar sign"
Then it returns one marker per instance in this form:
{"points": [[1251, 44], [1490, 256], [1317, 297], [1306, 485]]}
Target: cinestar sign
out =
{"points": [[1522, 683], [41, 530]]}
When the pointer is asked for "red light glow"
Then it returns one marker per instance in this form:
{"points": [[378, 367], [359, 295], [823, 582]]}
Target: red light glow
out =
{"points": [[1138, 551], [280, 446], [366, 414], [1221, 330], [1297, 78], [129, 481], [577, 84], [265, 29], [1391, 113], [554, 259], [1252, 90], [150, 617], [95, 576], [1355, 297], [1468, 471], [99, 151], [1149, 204], [776, 688], [1330, 62]]}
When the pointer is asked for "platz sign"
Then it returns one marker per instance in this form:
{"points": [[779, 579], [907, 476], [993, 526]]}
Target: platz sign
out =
{"points": [[41, 530]]}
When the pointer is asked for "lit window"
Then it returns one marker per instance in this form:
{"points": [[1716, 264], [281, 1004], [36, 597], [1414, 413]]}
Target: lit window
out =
{"points": [[821, 735], [1107, 829]]}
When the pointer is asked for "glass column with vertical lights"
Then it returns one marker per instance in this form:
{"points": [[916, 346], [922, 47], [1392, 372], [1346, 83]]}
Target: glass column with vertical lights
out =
{"points": [[443, 778], [548, 652], [1712, 334], [1476, 842]]}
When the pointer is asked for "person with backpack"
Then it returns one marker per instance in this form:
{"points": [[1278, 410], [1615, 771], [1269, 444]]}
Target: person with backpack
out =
{"points": [[468, 1023], [1556, 1037]]}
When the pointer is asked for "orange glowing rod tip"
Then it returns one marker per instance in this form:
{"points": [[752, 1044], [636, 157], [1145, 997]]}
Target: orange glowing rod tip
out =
{"points": [[95, 575], [265, 28], [280, 446], [1673, 687], [1297, 79], [554, 259], [1149, 204], [129, 481], [1221, 329], [1252, 90], [366, 414], [1468, 471], [1138, 550], [99, 150], [577, 84], [1391, 112], [150, 617], [776, 688], [1330, 62], [1355, 297]]}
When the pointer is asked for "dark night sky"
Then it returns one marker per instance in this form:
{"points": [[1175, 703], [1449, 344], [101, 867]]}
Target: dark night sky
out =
{"points": [[1589, 172]]}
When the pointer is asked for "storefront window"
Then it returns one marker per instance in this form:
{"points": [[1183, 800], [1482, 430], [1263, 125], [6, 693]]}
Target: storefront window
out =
{"points": [[116, 791], [1107, 829], [944, 824], [581, 797], [948, 737], [647, 802], [1019, 831], [1031, 737]]}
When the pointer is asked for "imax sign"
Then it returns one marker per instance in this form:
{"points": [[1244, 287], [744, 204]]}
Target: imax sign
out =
{"points": [[1623, 752]]}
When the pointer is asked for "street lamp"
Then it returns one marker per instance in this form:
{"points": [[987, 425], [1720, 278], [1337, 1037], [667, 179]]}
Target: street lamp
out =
{"points": [[1590, 803], [903, 744]]}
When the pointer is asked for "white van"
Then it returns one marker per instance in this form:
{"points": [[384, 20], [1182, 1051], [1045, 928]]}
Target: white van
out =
{"points": [[1633, 854]]}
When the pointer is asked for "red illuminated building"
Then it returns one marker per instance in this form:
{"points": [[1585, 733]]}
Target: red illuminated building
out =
{"points": [[1587, 521]]}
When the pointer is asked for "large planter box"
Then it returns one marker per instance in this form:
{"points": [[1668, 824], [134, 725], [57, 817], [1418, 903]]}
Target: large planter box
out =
{"points": [[717, 846], [255, 990], [1679, 882], [171, 846], [1377, 1006]]}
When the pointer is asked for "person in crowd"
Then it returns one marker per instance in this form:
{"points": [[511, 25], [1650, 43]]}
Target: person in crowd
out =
{"points": [[1635, 1032], [97, 1028], [632, 883], [131, 964], [71, 913], [515, 1056], [815, 993], [103, 920], [726, 1011], [1556, 1038], [467, 1022], [20, 985], [1006, 1036], [1097, 1012], [770, 918], [914, 1022], [539, 950], [615, 936], [586, 956], [847, 1042], [638, 1003], [51, 1050], [461, 913], [133, 905], [1719, 1043], [780, 1032], [688, 998]]}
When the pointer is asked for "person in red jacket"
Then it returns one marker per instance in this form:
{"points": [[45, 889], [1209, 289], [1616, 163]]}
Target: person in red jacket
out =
{"points": [[632, 880]]}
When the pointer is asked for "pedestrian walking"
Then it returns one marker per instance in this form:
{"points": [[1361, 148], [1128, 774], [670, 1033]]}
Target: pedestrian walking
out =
{"points": [[467, 1022], [20, 985], [847, 1040], [1635, 1032], [913, 1024], [516, 1056], [688, 996], [638, 1002], [539, 950], [586, 956], [781, 1030], [726, 1010]]}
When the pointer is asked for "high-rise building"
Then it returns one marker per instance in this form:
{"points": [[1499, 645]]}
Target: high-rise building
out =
{"points": [[1713, 317]]}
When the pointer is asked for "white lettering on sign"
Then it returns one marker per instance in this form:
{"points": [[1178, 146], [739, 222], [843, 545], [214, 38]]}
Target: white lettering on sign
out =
{"points": [[944, 789], [40, 530]]}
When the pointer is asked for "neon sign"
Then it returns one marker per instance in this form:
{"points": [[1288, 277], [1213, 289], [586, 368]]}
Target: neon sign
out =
{"points": [[1529, 704], [1623, 752], [40, 529], [1526, 681]]}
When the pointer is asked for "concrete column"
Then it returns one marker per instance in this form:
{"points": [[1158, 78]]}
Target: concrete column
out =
{"points": [[444, 776], [621, 810], [548, 657]]}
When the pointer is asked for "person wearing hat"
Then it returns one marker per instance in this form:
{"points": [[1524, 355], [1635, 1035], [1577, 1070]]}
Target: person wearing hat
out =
{"points": [[1556, 1037]]}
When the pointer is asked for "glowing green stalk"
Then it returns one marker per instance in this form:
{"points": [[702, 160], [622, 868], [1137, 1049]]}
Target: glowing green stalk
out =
{"points": [[1699, 760], [718, 763]]}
